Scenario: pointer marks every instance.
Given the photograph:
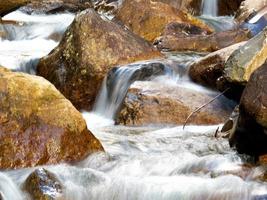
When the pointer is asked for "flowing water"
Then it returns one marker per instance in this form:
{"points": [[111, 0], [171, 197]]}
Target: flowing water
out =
{"points": [[210, 7], [31, 38], [153, 162]]}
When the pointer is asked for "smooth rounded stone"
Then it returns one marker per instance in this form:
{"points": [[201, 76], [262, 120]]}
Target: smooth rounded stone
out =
{"points": [[56, 6], [89, 49], [7, 6], [43, 185], [248, 7], [148, 19], [250, 136], [208, 69], [38, 125], [157, 103], [246, 59], [201, 43]]}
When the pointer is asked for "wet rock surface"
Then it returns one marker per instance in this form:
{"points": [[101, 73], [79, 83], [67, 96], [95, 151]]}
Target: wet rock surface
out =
{"points": [[43, 185], [250, 136], [7, 6], [56, 6], [201, 43], [151, 103], [208, 69], [248, 7], [246, 59], [38, 125], [148, 19], [89, 49]]}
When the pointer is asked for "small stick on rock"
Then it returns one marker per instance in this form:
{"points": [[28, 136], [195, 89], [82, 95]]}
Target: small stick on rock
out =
{"points": [[198, 109]]}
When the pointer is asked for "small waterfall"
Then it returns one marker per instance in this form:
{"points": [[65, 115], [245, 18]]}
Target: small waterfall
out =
{"points": [[117, 82], [8, 189], [209, 7]]}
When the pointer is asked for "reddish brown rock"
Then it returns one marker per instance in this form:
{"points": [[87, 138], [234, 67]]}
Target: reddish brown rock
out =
{"points": [[250, 136], [201, 43], [90, 48], [148, 19], [56, 6], [208, 69], [7, 6], [154, 103], [38, 126]]}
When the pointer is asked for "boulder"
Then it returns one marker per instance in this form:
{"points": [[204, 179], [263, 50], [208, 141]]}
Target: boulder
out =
{"points": [[246, 59], [250, 136], [208, 69], [108, 7], [43, 185], [201, 43], [89, 49], [56, 6], [248, 9], [7, 6], [38, 125], [156, 103], [148, 19]]}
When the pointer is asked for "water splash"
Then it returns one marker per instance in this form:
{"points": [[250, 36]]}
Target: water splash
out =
{"points": [[209, 7], [117, 82]]}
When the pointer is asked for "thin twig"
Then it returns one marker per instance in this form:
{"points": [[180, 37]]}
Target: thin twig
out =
{"points": [[198, 109]]}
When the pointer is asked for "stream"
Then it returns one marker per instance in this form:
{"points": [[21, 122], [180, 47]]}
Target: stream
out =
{"points": [[153, 162]]}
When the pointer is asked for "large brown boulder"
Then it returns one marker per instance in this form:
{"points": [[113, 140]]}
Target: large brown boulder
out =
{"points": [[38, 125], [200, 42], [246, 59], [43, 185], [208, 69], [250, 136], [7, 6], [89, 49], [155, 103], [148, 18]]}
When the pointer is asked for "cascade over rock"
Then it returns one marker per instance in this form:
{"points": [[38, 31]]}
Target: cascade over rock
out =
{"points": [[148, 19], [89, 49], [38, 125]]}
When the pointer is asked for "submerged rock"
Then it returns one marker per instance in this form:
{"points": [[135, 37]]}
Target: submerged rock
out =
{"points": [[201, 43], [7, 6], [250, 136], [38, 125], [89, 49], [43, 185], [208, 69], [148, 19], [246, 59], [156, 103]]}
